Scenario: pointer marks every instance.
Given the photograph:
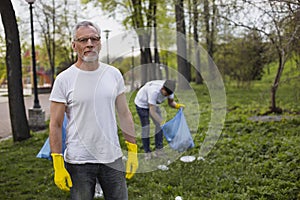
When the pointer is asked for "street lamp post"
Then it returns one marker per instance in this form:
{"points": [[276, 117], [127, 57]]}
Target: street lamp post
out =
{"points": [[36, 98], [36, 114], [132, 63], [132, 68], [106, 35]]}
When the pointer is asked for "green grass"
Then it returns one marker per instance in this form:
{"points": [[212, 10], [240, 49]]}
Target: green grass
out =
{"points": [[251, 160], [23, 176]]}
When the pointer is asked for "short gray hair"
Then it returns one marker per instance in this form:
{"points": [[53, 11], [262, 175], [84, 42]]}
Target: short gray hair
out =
{"points": [[85, 24]]}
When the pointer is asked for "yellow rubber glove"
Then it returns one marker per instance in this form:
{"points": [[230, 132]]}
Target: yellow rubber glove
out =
{"points": [[132, 161], [179, 105], [62, 178]]}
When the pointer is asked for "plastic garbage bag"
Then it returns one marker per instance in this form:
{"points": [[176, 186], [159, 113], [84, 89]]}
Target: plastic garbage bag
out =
{"points": [[45, 151], [177, 133]]}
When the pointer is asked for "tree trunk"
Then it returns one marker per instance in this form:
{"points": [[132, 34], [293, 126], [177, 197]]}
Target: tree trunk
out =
{"points": [[184, 75], [146, 58], [210, 26], [190, 42], [274, 108], [199, 79], [156, 53], [213, 29], [144, 38], [148, 28], [207, 24], [19, 123]]}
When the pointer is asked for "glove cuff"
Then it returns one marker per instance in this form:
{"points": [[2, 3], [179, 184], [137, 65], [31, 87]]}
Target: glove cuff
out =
{"points": [[131, 147], [58, 161]]}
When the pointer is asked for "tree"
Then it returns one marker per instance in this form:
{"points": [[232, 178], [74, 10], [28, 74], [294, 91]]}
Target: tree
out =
{"points": [[56, 20], [147, 18], [19, 123], [141, 17], [184, 75], [277, 22], [47, 21], [282, 41]]}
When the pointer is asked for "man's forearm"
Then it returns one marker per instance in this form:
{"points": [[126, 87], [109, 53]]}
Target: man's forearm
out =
{"points": [[129, 138], [154, 115], [128, 130], [55, 139]]}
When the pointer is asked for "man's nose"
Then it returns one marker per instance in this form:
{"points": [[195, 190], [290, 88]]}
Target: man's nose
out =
{"points": [[89, 42]]}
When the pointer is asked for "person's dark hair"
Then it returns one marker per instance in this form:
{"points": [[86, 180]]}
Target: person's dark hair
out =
{"points": [[169, 86]]}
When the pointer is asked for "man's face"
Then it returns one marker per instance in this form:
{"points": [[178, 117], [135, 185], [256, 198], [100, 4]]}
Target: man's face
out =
{"points": [[164, 92], [87, 44]]}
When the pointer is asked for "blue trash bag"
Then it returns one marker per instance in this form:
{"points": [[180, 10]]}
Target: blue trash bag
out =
{"points": [[177, 133], [45, 151]]}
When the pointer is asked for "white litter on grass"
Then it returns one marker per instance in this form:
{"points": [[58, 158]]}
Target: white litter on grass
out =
{"points": [[200, 158], [163, 167], [178, 198], [187, 158]]}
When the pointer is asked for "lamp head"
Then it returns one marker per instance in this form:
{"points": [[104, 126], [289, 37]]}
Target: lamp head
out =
{"points": [[30, 1], [107, 32]]}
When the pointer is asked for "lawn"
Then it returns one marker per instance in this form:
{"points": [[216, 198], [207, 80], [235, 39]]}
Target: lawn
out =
{"points": [[251, 160]]}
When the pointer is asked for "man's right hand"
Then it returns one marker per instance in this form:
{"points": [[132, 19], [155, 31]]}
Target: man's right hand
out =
{"points": [[62, 178], [179, 105]]}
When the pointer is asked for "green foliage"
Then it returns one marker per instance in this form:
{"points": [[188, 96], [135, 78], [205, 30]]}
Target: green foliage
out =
{"points": [[242, 59], [124, 64]]}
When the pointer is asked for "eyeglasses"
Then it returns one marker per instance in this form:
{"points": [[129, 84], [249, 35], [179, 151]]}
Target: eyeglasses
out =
{"points": [[84, 40]]}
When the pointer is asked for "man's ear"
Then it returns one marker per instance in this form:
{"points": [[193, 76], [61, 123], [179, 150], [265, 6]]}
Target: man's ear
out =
{"points": [[73, 46]]}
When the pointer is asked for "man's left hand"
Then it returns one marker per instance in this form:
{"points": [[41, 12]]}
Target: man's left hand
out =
{"points": [[132, 162]]}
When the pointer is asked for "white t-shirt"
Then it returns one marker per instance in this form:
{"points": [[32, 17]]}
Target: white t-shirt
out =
{"points": [[150, 94], [92, 134]]}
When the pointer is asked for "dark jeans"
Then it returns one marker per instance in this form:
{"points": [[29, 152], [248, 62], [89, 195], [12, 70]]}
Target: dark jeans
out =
{"points": [[144, 115], [111, 178]]}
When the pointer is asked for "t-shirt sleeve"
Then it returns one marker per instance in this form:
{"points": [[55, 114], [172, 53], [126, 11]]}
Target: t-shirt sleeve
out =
{"points": [[120, 80], [57, 93], [171, 96]]}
